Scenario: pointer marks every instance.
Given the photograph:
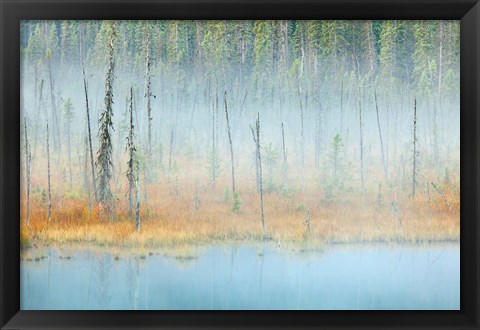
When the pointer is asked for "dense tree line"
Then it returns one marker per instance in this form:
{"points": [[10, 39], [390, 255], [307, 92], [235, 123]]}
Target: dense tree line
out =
{"points": [[265, 55]]}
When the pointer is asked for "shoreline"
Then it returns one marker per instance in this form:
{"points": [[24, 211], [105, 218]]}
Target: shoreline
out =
{"points": [[184, 251]]}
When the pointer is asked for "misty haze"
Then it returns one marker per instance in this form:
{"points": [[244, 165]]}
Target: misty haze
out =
{"points": [[240, 165]]}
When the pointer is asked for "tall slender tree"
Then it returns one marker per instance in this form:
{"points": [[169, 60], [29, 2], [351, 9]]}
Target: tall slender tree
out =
{"points": [[28, 158], [148, 94], [69, 115], [48, 177], [56, 132], [90, 147], [104, 154], [259, 156], [285, 167], [230, 143], [381, 139], [132, 164], [137, 208], [362, 173], [415, 151], [302, 136]]}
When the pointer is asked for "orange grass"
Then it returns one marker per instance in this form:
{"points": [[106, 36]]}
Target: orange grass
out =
{"points": [[170, 218]]}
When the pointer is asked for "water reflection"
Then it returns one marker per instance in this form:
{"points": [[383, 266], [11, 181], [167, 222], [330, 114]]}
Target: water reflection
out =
{"points": [[133, 274], [102, 267], [246, 277]]}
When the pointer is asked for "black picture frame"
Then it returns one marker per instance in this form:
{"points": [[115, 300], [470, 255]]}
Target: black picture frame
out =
{"points": [[12, 11]]}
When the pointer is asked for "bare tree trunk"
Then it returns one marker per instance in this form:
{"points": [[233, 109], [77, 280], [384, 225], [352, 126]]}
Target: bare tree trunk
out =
{"points": [[145, 192], [213, 160], [318, 139], [28, 157], [92, 161], [132, 161], [85, 175], [257, 140], [439, 102], [137, 209], [285, 168], [381, 140], [362, 173], [257, 167], [39, 111], [56, 132], [395, 130], [302, 134], [148, 105], [69, 153], [371, 47], [216, 116], [414, 174], [48, 174], [230, 141]]}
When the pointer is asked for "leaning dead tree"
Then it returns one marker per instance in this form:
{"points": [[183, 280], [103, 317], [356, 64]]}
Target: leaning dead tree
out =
{"points": [[381, 140], [104, 154], [94, 181], [132, 164], [28, 158], [256, 138], [443, 196], [48, 176], [230, 142]]}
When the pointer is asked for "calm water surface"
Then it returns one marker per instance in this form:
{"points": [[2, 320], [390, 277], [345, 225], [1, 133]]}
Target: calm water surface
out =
{"points": [[246, 277]]}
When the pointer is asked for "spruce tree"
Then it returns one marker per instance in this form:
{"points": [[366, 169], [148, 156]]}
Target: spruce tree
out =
{"points": [[104, 155]]}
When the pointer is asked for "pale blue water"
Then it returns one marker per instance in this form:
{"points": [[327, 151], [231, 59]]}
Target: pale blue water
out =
{"points": [[248, 277]]}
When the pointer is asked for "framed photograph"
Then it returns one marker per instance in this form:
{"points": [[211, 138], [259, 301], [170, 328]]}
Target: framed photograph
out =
{"points": [[238, 164]]}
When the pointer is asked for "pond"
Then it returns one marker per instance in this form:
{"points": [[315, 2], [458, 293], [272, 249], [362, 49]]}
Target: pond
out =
{"points": [[249, 276]]}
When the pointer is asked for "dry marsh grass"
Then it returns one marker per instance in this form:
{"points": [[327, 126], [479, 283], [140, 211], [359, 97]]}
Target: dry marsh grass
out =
{"points": [[176, 222], [171, 218]]}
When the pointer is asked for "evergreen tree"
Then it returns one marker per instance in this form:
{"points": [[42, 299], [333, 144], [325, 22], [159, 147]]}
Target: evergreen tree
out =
{"points": [[263, 53], [104, 155]]}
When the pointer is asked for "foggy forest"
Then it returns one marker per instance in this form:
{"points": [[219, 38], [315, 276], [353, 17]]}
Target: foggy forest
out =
{"points": [[158, 133]]}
